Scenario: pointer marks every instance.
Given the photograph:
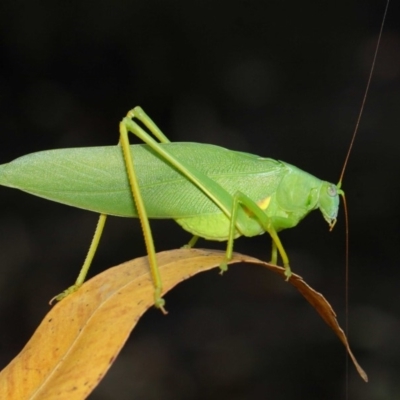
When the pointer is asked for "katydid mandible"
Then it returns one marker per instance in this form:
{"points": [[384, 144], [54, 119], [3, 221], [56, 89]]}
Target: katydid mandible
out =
{"points": [[212, 192]]}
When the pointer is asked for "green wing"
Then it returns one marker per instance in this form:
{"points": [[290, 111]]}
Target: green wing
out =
{"points": [[94, 178]]}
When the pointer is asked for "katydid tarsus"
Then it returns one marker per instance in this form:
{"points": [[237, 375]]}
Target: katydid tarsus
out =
{"points": [[212, 192]]}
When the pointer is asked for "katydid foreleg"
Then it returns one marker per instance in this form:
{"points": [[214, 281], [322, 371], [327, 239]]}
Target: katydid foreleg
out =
{"points": [[241, 200]]}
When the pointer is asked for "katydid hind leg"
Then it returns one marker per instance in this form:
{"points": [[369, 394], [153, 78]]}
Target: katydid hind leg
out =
{"points": [[141, 116], [88, 260], [142, 214]]}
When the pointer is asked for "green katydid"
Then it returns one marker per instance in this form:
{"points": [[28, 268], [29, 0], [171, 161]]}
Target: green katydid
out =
{"points": [[212, 192]]}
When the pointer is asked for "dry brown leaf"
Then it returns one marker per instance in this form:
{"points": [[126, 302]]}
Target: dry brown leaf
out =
{"points": [[81, 336]]}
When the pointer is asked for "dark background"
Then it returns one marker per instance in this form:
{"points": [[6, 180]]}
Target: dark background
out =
{"points": [[282, 79]]}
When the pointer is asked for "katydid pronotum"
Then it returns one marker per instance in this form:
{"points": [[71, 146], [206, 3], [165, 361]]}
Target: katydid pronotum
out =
{"points": [[212, 192]]}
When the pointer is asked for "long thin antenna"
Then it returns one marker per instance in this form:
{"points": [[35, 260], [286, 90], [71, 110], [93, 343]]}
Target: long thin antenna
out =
{"points": [[365, 94], [346, 216], [340, 184]]}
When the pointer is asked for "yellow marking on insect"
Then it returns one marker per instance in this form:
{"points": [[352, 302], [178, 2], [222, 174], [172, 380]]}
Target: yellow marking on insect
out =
{"points": [[264, 203]]}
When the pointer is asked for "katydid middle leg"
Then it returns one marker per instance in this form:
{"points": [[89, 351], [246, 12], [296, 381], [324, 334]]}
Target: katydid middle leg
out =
{"points": [[274, 254], [192, 242]]}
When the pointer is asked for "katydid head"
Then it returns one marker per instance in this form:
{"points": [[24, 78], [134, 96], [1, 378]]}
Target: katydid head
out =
{"points": [[299, 193], [329, 202]]}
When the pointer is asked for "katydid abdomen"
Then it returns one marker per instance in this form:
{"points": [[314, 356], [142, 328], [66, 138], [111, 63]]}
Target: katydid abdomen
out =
{"points": [[95, 179]]}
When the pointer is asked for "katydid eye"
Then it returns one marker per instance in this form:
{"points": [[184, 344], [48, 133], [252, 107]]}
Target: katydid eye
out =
{"points": [[332, 191]]}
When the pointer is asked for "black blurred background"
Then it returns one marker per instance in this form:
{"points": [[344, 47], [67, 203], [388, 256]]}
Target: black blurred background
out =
{"points": [[282, 79]]}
